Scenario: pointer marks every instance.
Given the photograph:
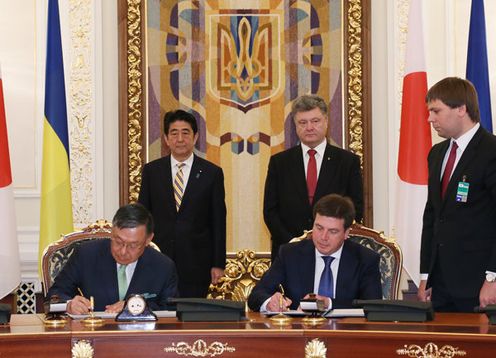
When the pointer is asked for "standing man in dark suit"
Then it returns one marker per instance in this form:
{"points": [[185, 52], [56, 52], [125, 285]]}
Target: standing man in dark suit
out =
{"points": [[458, 251], [298, 177], [339, 271], [185, 195], [109, 270]]}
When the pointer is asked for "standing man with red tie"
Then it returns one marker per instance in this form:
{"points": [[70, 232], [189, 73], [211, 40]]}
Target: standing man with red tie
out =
{"points": [[458, 251], [298, 177], [185, 195]]}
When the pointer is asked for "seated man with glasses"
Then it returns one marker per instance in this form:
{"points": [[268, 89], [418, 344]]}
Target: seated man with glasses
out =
{"points": [[109, 270]]}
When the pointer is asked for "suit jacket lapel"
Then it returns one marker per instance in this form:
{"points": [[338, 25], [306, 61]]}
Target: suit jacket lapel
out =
{"points": [[191, 185], [308, 268], [327, 172], [437, 166], [466, 158], [108, 271], [167, 184], [298, 174], [347, 268], [140, 275]]}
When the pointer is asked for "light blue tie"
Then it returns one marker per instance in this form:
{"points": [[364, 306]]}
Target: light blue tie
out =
{"points": [[122, 281], [326, 285]]}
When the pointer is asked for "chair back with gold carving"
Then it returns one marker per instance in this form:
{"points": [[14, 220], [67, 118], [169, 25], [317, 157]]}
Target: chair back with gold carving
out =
{"points": [[243, 270], [55, 255], [391, 261]]}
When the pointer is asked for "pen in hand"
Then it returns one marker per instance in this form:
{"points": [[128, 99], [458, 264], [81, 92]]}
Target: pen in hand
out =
{"points": [[91, 307], [281, 299]]}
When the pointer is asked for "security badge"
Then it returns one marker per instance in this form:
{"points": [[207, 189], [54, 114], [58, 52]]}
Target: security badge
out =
{"points": [[462, 191]]}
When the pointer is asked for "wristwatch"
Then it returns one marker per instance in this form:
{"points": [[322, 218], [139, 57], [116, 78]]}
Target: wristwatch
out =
{"points": [[490, 276]]}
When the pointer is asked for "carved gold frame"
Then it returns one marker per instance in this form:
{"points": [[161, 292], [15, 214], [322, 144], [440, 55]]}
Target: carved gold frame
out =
{"points": [[132, 96]]}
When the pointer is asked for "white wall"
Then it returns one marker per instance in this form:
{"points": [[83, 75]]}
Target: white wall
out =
{"points": [[446, 24], [22, 57]]}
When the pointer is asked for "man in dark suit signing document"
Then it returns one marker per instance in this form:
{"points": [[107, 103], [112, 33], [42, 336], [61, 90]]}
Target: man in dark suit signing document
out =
{"points": [[109, 270], [336, 270]]}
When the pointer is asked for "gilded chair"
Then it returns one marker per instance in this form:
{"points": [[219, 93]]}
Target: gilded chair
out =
{"points": [[56, 254], [391, 261], [243, 270]]}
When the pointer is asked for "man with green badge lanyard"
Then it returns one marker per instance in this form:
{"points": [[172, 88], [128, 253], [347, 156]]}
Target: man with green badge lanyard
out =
{"points": [[458, 251]]}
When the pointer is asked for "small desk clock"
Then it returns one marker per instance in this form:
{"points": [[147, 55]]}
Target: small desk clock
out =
{"points": [[136, 310]]}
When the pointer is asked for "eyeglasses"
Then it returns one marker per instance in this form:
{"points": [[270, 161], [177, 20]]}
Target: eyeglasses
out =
{"points": [[131, 246]]}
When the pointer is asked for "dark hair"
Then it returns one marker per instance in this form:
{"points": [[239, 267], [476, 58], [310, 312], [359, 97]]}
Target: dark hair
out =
{"points": [[456, 92], [133, 215], [179, 115], [336, 206], [308, 102]]}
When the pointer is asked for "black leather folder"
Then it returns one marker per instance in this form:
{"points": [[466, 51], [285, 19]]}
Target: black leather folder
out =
{"points": [[396, 310], [490, 311], [4, 313], [209, 310]]}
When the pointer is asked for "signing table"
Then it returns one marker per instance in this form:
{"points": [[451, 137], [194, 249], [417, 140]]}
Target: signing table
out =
{"points": [[449, 335]]}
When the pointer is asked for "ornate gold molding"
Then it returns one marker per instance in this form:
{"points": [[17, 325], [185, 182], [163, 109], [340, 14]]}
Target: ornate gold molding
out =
{"points": [[199, 348], [80, 100], [241, 275], [430, 350], [134, 97], [315, 349], [82, 349], [355, 77]]}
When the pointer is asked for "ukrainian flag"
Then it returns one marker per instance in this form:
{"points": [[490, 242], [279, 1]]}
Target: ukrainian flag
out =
{"points": [[56, 200]]}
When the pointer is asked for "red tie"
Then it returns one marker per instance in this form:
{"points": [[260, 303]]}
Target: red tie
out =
{"points": [[311, 175], [448, 169]]}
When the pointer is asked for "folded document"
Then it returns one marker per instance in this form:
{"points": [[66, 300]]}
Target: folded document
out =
{"points": [[160, 314]]}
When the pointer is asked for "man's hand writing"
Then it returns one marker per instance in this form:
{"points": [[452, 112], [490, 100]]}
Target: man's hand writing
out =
{"points": [[274, 304], [78, 305]]}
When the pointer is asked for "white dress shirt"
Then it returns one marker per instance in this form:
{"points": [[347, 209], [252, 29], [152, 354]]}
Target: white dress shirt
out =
{"points": [[188, 163], [320, 149]]}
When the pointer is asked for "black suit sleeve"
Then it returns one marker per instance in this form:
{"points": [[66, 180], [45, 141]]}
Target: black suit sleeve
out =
{"points": [[144, 194], [218, 220], [169, 289], [355, 188], [267, 285], [271, 204]]}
